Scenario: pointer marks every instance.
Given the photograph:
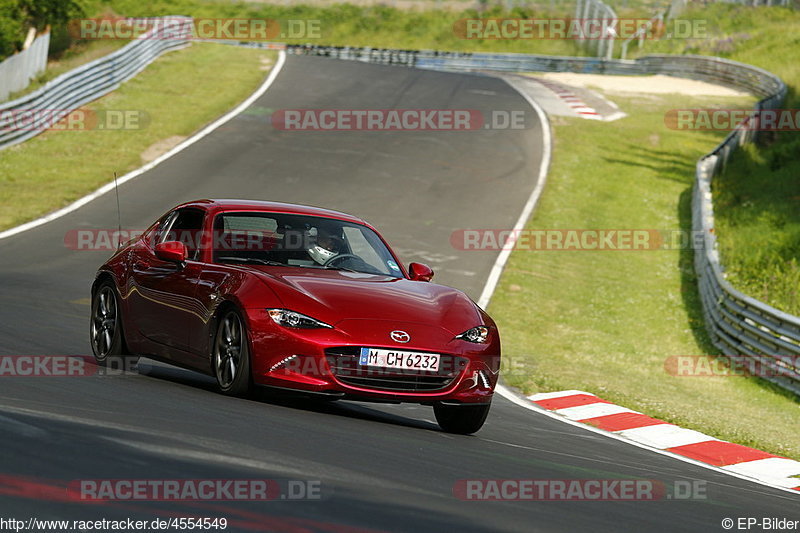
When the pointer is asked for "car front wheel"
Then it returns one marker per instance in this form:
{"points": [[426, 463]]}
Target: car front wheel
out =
{"points": [[105, 329], [231, 355], [461, 419]]}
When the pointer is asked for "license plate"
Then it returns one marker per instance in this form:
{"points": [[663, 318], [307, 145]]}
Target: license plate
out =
{"points": [[399, 359]]}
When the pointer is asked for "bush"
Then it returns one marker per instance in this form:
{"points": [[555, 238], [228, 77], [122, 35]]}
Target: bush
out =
{"points": [[12, 29], [16, 16]]}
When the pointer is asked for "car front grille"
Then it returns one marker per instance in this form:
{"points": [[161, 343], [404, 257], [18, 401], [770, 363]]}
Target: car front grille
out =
{"points": [[343, 362]]}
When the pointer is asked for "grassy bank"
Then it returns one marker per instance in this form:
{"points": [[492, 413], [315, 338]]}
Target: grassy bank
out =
{"points": [[757, 200], [607, 321], [376, 25], [180, 92]]}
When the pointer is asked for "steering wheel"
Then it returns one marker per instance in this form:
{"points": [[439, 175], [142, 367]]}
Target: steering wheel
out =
{"points": [[335, 258]]}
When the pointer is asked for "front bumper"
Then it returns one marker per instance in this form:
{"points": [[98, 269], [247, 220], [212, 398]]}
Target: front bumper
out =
{"points": [[324, 361]]}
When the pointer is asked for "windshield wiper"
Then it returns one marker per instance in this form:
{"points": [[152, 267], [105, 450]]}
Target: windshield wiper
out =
{"points": [[251, 260]]}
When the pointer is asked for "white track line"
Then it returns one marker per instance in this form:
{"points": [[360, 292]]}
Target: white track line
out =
{"points": [[141, 170], [491, 285], [500, 262]]}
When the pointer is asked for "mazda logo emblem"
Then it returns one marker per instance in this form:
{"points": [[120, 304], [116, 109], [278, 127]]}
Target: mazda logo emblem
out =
{"points": [[400, 336]]}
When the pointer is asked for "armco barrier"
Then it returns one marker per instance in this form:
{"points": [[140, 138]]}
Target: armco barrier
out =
{"points": [[83, 84], [738, 325]]}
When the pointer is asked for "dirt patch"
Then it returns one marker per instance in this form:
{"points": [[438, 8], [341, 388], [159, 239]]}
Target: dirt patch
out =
{"points": [[161, 147], [658, 84]]}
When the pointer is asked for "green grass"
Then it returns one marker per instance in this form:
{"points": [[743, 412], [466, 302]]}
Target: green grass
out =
{"points": [[757, 200], [378, 26], [757, 205], [606, 321], [180, 92]]}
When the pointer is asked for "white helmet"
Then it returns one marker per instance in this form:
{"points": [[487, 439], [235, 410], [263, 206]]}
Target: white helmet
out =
{"points": [[326, 248], [321, 255]]}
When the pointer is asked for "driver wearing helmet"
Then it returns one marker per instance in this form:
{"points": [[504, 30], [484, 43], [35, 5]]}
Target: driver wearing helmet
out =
{"points": [[326, 247]]}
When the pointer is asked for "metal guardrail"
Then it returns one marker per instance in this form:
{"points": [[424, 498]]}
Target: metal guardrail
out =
{"points": [[17, 71], [33, 113], [740, 326]]}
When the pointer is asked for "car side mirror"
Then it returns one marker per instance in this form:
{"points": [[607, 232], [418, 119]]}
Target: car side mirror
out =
{"points": [[173, 251], [420, 272]]}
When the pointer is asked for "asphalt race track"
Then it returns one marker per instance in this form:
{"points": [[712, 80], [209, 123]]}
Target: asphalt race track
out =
{"points": [[380, 468]]}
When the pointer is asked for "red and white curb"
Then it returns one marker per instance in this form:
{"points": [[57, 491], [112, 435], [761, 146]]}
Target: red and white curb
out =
{"points": [[589, 409], [571, 100]]}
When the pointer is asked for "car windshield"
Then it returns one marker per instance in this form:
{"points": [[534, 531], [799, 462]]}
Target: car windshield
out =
{"points": [[280, 239]]}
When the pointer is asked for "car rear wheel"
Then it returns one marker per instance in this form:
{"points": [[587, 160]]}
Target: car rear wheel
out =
{"points": [[461, 419], [231, 355], [105, 329]]}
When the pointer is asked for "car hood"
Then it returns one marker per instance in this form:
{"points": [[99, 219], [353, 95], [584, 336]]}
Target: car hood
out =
{"points": [[335, 295]]}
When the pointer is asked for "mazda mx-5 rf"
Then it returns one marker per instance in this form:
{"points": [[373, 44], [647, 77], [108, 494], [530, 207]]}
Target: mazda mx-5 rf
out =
{"points": [[299, 298]]}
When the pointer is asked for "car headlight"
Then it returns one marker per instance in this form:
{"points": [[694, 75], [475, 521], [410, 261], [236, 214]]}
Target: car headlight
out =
{"points": [[478, 335], [292, 319]]}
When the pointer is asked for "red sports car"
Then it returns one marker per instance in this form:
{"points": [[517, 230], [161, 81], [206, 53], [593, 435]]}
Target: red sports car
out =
{"points": [[295, 297]]}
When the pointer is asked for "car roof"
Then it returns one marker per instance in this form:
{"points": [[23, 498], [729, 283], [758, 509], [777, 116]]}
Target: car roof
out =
{"points": [[217, 205]]}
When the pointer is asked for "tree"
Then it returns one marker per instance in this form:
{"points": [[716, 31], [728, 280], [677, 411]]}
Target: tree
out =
{"points": [[12, 29], [41, 13]]}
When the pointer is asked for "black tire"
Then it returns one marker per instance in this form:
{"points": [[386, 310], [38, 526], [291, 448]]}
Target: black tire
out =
{"points": [[106, 333], [461, 419], [230, 355]]}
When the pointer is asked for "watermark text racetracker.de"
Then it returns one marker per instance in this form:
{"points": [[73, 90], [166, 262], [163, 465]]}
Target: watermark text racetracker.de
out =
{"points": [[195, 490], [174, 28], [574, 239], [732, 119], [397, 120], [579, 28], [110, 239], [66, 366], [39, 119], [28, 366], [554, 490], [706, 366]]}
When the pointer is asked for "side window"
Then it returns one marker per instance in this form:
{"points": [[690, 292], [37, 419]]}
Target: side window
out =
{"points": [[184, 225], [245, 236]]}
